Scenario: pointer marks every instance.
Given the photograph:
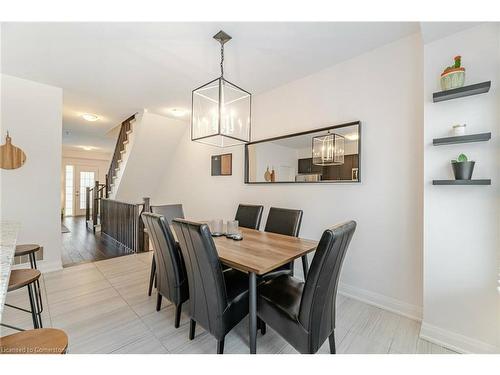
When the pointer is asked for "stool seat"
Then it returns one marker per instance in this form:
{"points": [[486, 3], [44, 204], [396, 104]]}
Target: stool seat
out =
{"points": [[21, 278], [35, 341], [26, 249]]}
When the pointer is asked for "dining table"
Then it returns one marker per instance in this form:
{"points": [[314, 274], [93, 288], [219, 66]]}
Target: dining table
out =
{"points": [[257, 254]]}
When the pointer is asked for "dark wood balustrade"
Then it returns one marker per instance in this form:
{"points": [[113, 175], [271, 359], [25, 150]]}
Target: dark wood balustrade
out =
{"points": [[93, 196], [122, 222]]}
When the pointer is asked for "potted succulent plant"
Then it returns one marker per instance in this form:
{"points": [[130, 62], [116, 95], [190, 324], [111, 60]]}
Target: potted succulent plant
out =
{"points": [[453, 76], [462, 167]]}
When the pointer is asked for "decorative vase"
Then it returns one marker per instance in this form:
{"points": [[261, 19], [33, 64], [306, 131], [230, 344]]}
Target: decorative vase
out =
{"points": [[452, 79], [459, 129], [462, 169]]}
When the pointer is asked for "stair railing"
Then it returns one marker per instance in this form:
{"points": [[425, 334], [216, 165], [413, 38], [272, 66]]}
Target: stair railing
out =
{"points": [[122, 223], [93, 196], [119, 149]]}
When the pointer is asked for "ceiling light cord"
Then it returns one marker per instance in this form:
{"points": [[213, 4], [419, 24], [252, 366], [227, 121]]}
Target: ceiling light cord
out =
{"points": [[222, 60]]}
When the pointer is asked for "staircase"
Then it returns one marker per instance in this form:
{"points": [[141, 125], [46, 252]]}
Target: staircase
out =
{"points": [[120, 155], [95, 194]]}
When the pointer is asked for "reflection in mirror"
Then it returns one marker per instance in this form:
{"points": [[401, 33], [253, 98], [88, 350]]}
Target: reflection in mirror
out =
{"points": [[326, 155]]}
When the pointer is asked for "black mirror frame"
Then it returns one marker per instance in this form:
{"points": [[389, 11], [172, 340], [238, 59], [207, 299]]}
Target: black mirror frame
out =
{"points": [[303, 133]]}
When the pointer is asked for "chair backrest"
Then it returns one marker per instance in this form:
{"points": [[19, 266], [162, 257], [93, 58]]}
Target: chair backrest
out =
{"points": [[317, 306], [284, 221], [207, 288], [249, 215], [169, 211], [170, 269]]}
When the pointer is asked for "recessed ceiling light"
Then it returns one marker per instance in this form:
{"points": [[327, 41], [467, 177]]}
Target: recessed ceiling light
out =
{"points": [[177, 112], [90, 117], [88, 148], [352, 136]]}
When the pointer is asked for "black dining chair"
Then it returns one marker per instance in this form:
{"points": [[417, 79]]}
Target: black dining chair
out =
{"points": [[249, 215], [169, 212], [284, 221], [171, 280], [304, 313], [218, 299]]}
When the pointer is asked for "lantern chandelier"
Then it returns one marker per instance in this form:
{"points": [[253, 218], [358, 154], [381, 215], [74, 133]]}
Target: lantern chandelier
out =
{"points": [[328, 149], [220, 113]]}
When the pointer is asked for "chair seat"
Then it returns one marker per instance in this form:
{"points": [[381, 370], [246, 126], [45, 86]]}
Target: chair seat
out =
{"points": [[284, 294], [26, 249], [21, 278], [35, 341]]}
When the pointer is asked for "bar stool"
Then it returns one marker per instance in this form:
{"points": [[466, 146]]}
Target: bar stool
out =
{"points": [[20, 279], [35, 341], [30, 250]]}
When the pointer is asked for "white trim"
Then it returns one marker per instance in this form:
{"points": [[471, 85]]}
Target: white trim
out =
{"points": [[455, 341], [387, 303], [42, 265]]}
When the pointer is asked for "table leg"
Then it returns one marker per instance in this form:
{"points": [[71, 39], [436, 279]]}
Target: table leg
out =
{"points": [[252, 306], [305, 266]]}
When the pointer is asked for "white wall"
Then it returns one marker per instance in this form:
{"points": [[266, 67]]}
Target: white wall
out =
{"points": [[383, 89], [32, 113], [282, 159], [154, 139], [84, 158], [461, 223]]}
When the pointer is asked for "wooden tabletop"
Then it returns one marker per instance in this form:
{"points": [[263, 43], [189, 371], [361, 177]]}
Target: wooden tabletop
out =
{"points": [[261, 252]]}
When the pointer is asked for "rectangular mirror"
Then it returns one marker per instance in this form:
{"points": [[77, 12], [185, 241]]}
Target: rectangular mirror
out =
{"points": [[330, 154]]}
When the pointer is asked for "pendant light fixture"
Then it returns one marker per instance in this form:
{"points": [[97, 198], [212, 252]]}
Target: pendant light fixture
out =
{"points": [[328, 149], [220, 113]]}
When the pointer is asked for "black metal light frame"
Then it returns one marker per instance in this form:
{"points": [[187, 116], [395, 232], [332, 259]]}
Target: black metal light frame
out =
{"points": [[222, 38], [334, 142], [220, 80]]}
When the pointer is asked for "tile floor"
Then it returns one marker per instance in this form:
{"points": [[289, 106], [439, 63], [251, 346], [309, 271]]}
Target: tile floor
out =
{"points": [[104, 308]]}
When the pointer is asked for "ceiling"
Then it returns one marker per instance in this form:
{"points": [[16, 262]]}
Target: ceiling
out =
{"points": [[116, 69]]}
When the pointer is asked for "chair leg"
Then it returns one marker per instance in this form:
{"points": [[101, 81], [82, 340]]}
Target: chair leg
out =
{"points": [[178, 310], [152, 276], [38, 291], [158, 302], [261, 325], [331, 338], [192, 329], [305, 266], [220, 346], [33, 307]]}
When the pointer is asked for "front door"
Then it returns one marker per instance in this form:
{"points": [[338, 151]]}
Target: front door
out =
{"points": [[84, 176]]}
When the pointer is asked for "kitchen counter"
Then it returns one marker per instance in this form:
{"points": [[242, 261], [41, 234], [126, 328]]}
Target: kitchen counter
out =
{"points": [[8, 238]]}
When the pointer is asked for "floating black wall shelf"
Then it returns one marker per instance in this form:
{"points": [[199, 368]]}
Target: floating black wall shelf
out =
{"points": [[478, 88], [462, 139], [461, 182]]}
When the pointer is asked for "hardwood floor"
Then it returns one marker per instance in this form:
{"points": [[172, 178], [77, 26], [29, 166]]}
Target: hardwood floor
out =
{"points": [[81, 245], [104, 308]]}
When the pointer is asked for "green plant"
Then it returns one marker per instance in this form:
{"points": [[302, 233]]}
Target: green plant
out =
{"points": [[461, 158], [456, 65]]}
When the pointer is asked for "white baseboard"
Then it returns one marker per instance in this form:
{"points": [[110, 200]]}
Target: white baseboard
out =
{"points": [[379, 300], [43, 265], [455, 341]]}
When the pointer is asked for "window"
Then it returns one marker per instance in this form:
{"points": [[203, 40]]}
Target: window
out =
{"points": [[86, 180], [69, 191]]}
